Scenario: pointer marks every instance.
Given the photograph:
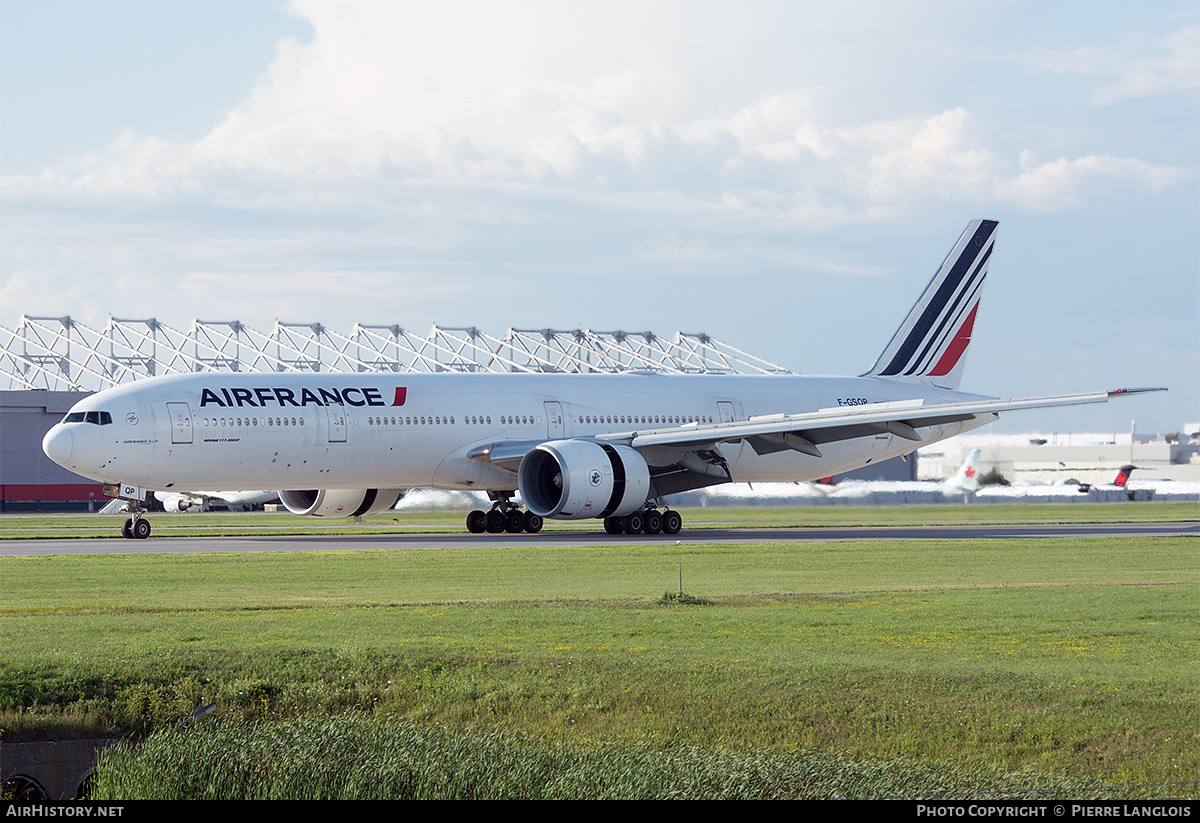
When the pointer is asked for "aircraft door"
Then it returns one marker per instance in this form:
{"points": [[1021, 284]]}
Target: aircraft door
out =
{"points": [[180, 415], [725, 412], [337, 422], [555, 425]]}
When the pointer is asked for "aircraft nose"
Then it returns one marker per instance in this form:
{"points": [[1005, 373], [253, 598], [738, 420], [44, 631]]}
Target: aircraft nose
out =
{"points": [[57, 444]]}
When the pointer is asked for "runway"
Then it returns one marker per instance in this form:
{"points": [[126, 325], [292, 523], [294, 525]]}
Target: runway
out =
{"points": [[578, 539]]}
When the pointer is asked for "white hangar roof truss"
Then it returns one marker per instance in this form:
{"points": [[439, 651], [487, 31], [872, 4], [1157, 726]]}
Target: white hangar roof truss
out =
{"points": [[62, 354]]}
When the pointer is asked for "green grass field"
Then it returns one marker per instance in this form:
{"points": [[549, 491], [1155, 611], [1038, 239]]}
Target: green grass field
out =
{"points": [[1070, 658]]}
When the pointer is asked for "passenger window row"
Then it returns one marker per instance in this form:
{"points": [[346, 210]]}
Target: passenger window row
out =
{"points": [[241, 422], [103, 418], [636, 419], [417, 421]]}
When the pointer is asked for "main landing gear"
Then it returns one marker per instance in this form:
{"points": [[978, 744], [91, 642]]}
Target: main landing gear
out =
{"points": [[506, 517], [650, 521], [503, 517]]}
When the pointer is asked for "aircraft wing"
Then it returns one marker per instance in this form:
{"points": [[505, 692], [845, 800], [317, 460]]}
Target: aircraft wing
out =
{"points": [[805, 432]]}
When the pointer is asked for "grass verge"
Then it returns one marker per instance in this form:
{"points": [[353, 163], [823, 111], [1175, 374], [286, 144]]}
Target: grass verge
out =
{"points": [[351, 758], [1066, 658]]}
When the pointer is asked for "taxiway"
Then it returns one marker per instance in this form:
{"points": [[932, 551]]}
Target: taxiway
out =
{"points": [[575, 539]]}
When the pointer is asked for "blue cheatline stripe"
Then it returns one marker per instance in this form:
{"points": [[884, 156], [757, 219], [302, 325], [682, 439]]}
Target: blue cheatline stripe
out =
{"points": [[945, 291], [964, 300]]}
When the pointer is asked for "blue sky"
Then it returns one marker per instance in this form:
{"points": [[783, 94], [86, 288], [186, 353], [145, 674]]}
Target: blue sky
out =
{"points": [[782, 175]]}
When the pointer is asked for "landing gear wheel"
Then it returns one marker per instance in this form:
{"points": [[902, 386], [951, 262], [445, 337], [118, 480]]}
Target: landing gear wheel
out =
{"points": [[672, 522], [532, 522], [634, 523], [141, 529], [477, 522], [614, 525], [494, 521], [653, 522], [514, 523], [127, 529]]}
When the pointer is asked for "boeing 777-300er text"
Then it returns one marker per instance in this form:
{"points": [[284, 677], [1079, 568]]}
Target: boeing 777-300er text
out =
{"points": [[574, 446]]}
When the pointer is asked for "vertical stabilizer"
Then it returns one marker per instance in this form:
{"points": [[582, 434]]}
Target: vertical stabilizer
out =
{"points": [[967, 477], [931, 344]]}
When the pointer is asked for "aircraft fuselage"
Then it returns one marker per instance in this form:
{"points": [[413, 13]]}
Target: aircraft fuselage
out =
{"points": [[292, 431]]}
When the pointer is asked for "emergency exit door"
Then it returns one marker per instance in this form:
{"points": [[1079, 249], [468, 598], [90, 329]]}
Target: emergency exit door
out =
{"points": [[180, 415]]}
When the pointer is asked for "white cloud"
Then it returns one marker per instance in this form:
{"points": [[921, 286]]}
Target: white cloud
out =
{"points": [[1142, 66], [42, 293], [660, 165], [582, 103], [1063, 184]]}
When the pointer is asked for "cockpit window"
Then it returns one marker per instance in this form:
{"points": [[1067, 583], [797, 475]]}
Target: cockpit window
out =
{"points": [[99, 418]]}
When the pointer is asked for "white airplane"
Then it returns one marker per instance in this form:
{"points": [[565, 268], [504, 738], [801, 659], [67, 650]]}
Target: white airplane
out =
{"points": [[574, 446], [966, 479], [205, 500]]}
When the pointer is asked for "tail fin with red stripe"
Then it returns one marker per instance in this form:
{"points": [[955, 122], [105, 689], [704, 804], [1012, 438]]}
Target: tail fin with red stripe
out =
{"points": [[931, 344]]}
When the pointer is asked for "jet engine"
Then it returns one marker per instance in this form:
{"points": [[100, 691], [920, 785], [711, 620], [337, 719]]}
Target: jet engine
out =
{"points": [[173, 502], [576, 479], [339, 502]]}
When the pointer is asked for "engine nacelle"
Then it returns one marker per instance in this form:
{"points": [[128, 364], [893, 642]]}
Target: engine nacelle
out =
{"points": [[339, 502], [174, 502], [576, 479]]}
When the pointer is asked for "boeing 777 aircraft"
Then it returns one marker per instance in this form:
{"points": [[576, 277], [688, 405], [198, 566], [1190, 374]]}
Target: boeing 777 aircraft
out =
{"points": [[574, 446]]}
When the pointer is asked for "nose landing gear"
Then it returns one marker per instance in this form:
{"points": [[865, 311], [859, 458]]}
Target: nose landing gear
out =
{"points": [[136, 527]]}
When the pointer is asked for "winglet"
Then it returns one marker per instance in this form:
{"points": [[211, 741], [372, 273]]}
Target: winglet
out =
{"points": [[1121, 392], [931, 344]]}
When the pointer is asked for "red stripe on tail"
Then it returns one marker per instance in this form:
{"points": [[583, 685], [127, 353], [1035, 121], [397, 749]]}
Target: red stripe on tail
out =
{"points": [[958, 345]]}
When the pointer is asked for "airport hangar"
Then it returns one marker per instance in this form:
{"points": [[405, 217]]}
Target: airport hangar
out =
{"points": [[48, 363]]}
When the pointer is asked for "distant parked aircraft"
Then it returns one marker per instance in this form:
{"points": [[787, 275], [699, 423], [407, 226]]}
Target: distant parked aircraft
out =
{"points": [[1119, 481], [966, 479], [204, 501]]}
